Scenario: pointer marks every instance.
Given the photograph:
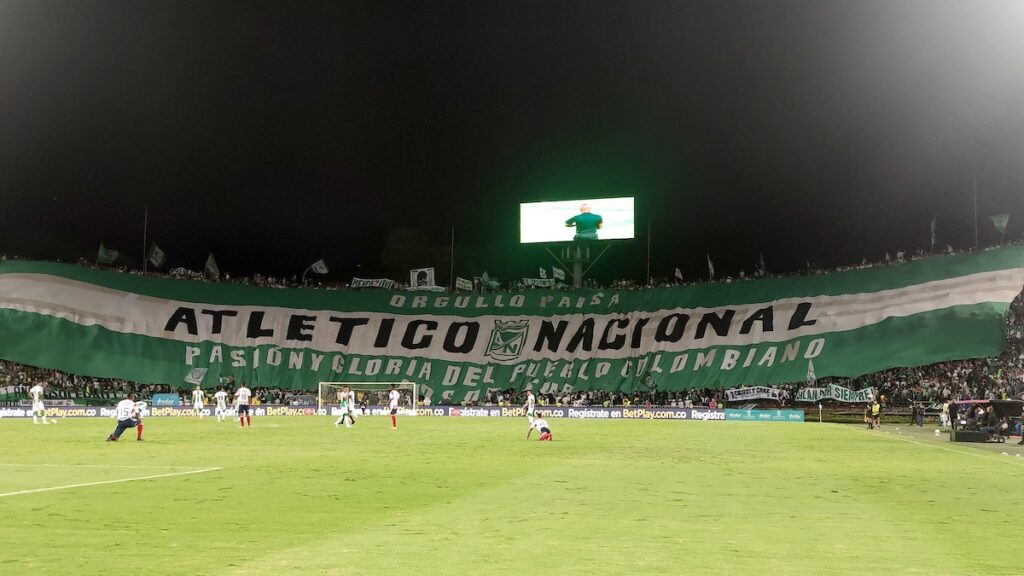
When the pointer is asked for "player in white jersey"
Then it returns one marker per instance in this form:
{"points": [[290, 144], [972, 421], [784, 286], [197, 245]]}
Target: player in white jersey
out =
{"points": [[222, 404], [198, 401], [531, 406], [347, 399], [140, 407], [392, 405], [36, 393], [542, 426], [126, 413], [242, 396]]}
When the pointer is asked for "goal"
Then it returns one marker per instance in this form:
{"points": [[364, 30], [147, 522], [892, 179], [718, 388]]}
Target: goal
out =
{"points": [[327, 394]]}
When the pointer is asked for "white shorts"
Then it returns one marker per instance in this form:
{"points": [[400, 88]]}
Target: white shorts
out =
{"points": [[37, 406], [222, 408], [944, 418], [197, 407]]}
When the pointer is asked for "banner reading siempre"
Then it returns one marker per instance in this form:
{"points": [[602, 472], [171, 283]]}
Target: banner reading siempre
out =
{"points": [[835, 392], [459, 346]]}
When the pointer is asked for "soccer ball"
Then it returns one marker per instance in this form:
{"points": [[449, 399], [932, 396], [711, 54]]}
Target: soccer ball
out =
{"points": [[937, 432]]}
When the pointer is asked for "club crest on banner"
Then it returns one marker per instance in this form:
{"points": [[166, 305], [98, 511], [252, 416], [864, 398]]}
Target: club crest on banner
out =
{"points": [[196, 375], [507, 340]]}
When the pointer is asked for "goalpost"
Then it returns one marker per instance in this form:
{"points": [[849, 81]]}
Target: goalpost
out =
{"points": [[327, 394]]}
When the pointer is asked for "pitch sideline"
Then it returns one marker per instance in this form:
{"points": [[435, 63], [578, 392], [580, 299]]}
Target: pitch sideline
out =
{"points": [[120, 480]]}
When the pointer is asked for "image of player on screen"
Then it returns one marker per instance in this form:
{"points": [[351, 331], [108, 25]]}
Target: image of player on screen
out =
{"points": [[586, 223]]}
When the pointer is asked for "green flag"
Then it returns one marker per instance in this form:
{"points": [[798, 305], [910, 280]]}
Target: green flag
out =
{"points": [[711, 268], [211, 267], [106, 255], [1000, 221]]}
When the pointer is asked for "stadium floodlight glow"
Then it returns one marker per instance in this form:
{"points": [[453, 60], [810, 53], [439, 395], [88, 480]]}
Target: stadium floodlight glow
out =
{"points": [[584, 219]]}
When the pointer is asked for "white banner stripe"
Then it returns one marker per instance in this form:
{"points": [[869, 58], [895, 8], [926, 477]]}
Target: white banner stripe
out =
{"points": [[128, 313]]}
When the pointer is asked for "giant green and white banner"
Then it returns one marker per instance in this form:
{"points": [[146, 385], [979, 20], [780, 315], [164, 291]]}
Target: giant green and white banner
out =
{"points": [[158, 330]]}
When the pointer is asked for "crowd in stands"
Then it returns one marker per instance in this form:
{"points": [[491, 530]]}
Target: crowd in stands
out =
{"points": [[316, 281], [16, 379], [999, 377]]}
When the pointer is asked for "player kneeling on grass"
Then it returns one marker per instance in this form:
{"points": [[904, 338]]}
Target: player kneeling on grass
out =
{"points": [[542, 426], [126, 413]]}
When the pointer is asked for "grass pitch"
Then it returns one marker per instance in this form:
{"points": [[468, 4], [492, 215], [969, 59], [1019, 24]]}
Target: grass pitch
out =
{"points": [[294, 495]]}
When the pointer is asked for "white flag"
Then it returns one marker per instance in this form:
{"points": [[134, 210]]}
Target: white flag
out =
{"points": [[558, 273], [933, 232], [711, 268], [543, 272], [1000, 221], [156, 256], [679, 274], [320, 267], [489, 282], [811, 378], [106, 255]]}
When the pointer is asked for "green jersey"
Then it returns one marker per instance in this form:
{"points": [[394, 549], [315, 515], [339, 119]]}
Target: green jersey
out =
{"points": [[586, 225]]}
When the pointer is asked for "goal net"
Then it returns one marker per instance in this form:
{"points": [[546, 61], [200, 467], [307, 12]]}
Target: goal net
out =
{"points": [[371, 394]]}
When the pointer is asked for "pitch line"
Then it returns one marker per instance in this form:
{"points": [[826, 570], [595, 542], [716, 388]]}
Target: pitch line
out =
{"points": [[157, 467], [964, 452], [84, 484]]}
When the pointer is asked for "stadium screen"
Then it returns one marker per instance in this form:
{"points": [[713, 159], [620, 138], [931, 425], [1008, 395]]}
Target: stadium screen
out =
{"points": [[567, 220]]}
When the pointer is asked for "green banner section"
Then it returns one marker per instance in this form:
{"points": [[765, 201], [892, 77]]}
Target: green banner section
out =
{"points": [[457, 346]]}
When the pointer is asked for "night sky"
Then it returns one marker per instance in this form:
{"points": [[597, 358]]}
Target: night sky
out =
{"points": [[277, 133]]}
